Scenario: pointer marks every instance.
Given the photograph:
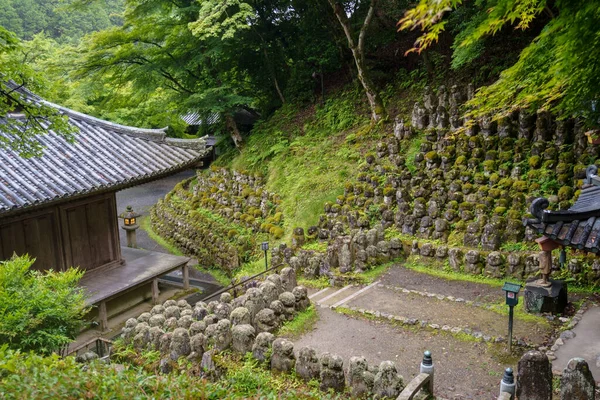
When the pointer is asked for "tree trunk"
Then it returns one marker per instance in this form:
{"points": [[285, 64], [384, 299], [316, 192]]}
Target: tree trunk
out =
{"points": [[378, 111], [234, 131]]}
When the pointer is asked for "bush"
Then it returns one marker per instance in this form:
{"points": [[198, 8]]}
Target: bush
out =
{"points": [[39, 311]]}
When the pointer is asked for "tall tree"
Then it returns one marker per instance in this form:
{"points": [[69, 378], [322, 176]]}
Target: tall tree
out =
{"points": [[357, 46], [155, 52]]}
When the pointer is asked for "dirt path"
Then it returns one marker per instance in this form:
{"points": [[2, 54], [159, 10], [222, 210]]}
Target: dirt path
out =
{"points": [[463, 370], [409, 279], [444, 312]]}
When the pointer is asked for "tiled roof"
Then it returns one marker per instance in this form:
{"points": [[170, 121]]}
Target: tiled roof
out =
{"points": [[105, 156], [577, 227]]}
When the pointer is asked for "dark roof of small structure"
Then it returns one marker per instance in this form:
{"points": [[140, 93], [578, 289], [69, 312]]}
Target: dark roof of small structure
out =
{"points": [[577, 227], [105, 156]]}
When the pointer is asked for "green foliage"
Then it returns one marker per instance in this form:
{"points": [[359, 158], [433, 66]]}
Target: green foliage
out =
{"points": [[65, 20], [555, 71], [37, 119], [38, 311], [30, 376]]}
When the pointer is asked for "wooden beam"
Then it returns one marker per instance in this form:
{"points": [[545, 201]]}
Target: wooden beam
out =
{"points": [[186, 276], [155, 291], [103, 316]]}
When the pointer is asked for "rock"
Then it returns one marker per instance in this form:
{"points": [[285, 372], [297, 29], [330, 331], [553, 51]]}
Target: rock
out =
{"points": [[455, 258], [222, 310], [226, 298], [269, 291], [209, 369], [197, 344], [577, 382], [180, 344], [157, 320], [165, 366], [185, 321], [262, 345], [289, 303], [155, 334], [360, 380], [240, 316], [332, 373], [288, 279], [283, 358], [144, 317], [275, 279], [219, 335], [172, 312], [182, 304], [157, 309], [569, 334], [387, 381], [307, 365], [301, 295], [165, 342], [141, 339], [266, 321], [199, 313], [534, 378], [243, 338]]}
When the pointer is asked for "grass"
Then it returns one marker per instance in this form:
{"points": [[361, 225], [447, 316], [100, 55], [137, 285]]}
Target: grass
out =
{"points": [[411, 150], [251, 268], [308, 154], [147, 226], [304, 322], [321, 282], [414, 263], [216, 273], [318, 246], [375, 273]]}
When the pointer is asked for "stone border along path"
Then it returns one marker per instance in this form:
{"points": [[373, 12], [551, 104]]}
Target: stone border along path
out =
{"points": [[463, 369], [378, 301]]}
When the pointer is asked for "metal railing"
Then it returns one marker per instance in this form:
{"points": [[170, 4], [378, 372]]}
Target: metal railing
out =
{"points": [[236, 285], [99, 345]]}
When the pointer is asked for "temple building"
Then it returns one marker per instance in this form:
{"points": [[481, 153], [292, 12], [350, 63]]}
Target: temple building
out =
{"points": [[60, 208]]}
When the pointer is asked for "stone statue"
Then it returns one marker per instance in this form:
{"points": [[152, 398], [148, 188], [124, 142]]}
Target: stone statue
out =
{"points": [[545, 258]]}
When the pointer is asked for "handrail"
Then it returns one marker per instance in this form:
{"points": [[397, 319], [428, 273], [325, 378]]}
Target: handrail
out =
{"points": [[89, 342], [218, 292]]}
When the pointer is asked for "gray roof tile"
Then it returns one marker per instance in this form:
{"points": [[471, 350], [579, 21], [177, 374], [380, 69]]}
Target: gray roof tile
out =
{"points": [[105, 155]]}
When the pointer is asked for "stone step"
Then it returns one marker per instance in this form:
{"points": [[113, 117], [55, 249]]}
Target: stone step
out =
{"points": [[336, 294]]}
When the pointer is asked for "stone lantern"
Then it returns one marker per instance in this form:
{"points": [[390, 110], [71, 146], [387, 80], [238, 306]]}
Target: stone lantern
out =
{"points": [[130, 225]]}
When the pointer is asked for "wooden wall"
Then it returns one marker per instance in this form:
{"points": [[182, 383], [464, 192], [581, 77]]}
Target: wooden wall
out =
{"points": [[83, 233]]}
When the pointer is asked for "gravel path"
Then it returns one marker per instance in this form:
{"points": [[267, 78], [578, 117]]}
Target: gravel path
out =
{"points": [[409, 279], [444, 312], [142, 198], [463, 370]]}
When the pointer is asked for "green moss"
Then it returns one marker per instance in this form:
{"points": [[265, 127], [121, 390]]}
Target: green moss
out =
{"points": [[534, 162], [565, 193], [460, 160]]}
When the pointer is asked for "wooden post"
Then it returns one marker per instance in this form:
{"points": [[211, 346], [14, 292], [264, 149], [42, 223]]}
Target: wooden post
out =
{"points": [[186, 276], [155, 291], [103, 316]]}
